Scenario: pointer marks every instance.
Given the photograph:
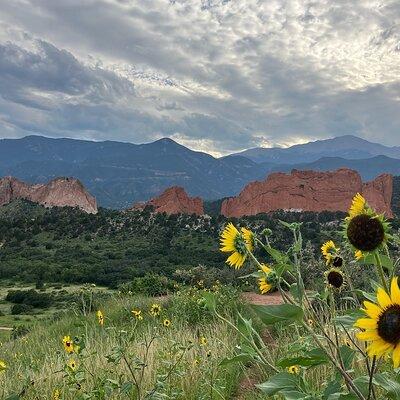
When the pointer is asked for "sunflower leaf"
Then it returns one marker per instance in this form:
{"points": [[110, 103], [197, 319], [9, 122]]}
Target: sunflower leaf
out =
{"points": [[312, 358], [272, 314]]}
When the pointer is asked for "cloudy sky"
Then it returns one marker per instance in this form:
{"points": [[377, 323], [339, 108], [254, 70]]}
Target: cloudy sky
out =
{"points": [[215, 75]]}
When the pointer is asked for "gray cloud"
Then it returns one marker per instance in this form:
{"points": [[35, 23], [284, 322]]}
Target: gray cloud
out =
{"points": [[217, 75]]}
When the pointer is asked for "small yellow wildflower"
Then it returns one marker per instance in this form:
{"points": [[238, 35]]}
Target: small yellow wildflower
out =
{"points": [[137, 314], [100, 317], [72, 364], [56, 395], [203, 341], [167, 323], [68, 344], [293, 369], [3, 366], [155, 310]]}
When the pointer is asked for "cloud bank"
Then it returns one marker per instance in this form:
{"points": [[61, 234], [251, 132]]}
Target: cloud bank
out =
{"points": [[216, 75]]}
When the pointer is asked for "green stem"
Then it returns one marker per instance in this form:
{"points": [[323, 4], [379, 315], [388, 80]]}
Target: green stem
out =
{"points": [[381, 272]]}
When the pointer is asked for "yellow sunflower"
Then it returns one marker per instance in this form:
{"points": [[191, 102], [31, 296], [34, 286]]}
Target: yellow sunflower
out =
{"points": [[100, 317], [137, 314], [68, 344], [72, 364], [3, 366], [167, 323], [293, 369], [56, 395], [232, 241], [249, 238], [203, 341], [382, 327], [155, 310], [263, 283], [364, 228], [328, 249]]}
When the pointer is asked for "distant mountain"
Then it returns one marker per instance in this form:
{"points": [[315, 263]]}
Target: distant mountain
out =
{"points": [[119, 174], [348, 147], [368, 168]]}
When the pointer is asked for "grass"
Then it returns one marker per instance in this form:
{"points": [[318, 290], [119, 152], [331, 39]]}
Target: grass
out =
{"points": [[38, 360]]}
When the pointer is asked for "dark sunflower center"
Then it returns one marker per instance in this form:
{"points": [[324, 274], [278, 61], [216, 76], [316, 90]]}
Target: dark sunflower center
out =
{"points": [[365, 233], [335, 279], [389, 324], [337, 261]]}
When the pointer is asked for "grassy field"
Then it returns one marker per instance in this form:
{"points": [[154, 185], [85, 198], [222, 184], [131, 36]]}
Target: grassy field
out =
{"points": [[40, 362]]}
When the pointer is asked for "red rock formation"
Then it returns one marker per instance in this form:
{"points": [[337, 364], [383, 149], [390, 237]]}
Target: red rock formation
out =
{"points": [[309, 191], [174, 200], [59, 192]]}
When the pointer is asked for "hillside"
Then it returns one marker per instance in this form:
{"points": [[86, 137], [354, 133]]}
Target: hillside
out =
{"points": [[112, 247], [119, 174]]}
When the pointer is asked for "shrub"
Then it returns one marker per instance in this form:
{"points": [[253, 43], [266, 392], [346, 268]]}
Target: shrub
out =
{"points": [[17, 309]]}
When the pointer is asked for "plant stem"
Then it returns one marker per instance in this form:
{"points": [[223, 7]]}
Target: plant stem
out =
{"points": [[381, 272]]}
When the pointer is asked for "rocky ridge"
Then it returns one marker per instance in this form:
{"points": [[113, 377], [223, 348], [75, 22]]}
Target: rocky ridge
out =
{"points": [[58, 192], [173, 200], [310, 191]]}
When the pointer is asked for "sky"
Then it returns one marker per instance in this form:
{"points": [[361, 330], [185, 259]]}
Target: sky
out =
{"points": [[215, 75]]}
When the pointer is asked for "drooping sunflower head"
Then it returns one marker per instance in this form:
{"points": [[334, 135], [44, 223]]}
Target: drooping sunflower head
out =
{"points": [[234, 242], [100, 317], [267, 279], [334, 278], [365, 230], [382, 327], [293, 369], [68, 344], [331, 254], [155, 310]]}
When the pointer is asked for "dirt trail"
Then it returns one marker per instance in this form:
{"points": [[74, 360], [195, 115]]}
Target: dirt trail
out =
{"points": [[262, 299]]}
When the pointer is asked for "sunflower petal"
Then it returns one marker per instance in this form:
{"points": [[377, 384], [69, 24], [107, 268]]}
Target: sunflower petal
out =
{"points": [[372, 310], [395, 291], [366, 323], [378, 348], [383, 298], [396, 356], [368, 335]]}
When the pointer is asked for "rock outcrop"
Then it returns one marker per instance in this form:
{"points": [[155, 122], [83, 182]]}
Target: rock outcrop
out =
{"points": [[309, 191], [59, 192], [174, 200]]}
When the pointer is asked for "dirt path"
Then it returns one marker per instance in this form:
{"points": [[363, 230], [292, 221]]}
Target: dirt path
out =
{"points": [[5, 328], [262, 299]]}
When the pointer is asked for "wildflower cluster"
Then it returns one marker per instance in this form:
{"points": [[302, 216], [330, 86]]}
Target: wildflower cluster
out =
{"points": [[351, 344]]}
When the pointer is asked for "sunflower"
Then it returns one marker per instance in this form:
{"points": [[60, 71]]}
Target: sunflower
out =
{"points": [[249, 238], [155, 310], [3, 366], [265, 282], [68, 344], [56, 395], [382, 327], [330, 252], [293, 369], [364, 229], [137, 314], [208, 354], [72, 364], [167, 323], [334, 278], [203, 341], [236, 243], [100, 317]]}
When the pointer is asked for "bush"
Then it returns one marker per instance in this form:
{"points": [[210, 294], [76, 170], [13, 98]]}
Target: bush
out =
{"points": [[17, 309], [30, 297], [150, 285]]}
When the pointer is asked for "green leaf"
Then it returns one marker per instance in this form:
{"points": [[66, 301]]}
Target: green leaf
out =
{"points": [[385, 261], [270, 315], [333, 387], [347, 354], [391, 386], [281, 381], [312, 358], [210, 301], [240, 358], [13, 397], [348, 319], [369, 296]]}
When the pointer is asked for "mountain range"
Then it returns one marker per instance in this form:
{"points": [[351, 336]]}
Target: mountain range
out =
{"points": [[120, 174]]}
